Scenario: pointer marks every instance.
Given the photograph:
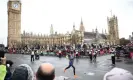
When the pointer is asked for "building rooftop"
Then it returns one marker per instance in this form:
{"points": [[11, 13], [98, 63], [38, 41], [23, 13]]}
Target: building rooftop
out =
{"points": [[92, 35], [88, 35]]}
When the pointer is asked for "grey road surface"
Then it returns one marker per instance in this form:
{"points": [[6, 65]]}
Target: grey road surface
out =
{"points": [[85, 70]]}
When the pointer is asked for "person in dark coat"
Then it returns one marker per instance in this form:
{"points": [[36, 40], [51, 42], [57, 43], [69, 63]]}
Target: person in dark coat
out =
{"points": [[23, 72], [8, 73], [90, 55]]}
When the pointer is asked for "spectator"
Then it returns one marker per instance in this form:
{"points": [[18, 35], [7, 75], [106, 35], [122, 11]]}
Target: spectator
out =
{"points": [[23, 72], [32, 56], [37, 55], [3, 68], [9, 62], [118, 74], [45, 72], [8, 72]]}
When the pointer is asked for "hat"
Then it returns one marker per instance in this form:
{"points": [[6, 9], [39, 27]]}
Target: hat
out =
{"points": [[118, 74], [23, 72]]}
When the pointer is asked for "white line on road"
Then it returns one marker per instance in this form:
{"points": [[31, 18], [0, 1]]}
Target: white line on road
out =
{"points": [[98, 70], [90, 73], [101, 62]]}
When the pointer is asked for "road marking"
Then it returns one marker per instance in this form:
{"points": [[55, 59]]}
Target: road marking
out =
{"points": [[101, 62], [61, 78], [90, 73], [98, 70], [66, 78]]}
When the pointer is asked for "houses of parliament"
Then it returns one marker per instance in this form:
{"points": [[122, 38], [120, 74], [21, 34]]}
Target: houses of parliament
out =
{"points": [[75, 37]]}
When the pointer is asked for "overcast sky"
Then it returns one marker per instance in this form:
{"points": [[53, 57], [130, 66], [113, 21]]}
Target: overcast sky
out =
{"points": [[38, 15]]}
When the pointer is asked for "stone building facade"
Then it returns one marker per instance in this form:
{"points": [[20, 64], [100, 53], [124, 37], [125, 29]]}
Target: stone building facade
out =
{"points": [[45, 40], [76, 37], [14, 22], [113, 30], [93, 37]]}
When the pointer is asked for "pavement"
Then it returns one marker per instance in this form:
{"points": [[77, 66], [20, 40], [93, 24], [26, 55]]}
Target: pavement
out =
{"points": [[85, 70]]}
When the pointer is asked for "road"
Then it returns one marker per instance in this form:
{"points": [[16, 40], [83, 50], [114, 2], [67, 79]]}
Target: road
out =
{"points": [[84, 69]]}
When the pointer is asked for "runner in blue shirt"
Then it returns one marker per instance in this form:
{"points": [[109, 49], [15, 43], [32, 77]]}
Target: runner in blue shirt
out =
{"points": [[71, 60]]}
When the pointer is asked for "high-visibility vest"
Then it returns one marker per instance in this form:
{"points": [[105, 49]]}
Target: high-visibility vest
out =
{"points": [[2, 72]]}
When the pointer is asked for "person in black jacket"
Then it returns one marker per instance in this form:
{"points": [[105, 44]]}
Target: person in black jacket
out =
{"points": [[8, 73]]}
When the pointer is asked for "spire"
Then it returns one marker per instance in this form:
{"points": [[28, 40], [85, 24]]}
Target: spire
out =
{"points": [[81, 21], [102, 31], [51, 30], [105, 31], [130, 37], [97, 34], [73, 26], [81, 26], [73, 30], [96, 29], [111, 13]]}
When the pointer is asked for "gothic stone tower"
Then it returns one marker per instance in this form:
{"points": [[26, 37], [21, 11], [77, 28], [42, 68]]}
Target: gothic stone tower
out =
{"points": [[113, 30], [51, 30], [82, 29], [14, 22]]}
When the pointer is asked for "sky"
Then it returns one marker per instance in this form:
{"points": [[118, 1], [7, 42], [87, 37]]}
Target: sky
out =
{"points": [[38, 15]]}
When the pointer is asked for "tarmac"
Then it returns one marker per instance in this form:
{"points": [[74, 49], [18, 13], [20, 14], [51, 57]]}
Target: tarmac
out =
{"points": [[85, 70]]}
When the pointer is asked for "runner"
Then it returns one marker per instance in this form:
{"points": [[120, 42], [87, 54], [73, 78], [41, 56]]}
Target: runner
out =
{"points": [[77, 54], [60, 53], [95, 55], [32, 56], [71, 60], [90, 55]]}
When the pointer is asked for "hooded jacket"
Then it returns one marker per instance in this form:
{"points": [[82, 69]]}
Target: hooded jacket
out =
{"points": [[23, 72], [2, 72], [118, 74]]}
